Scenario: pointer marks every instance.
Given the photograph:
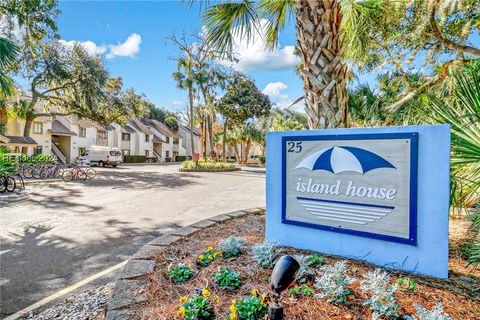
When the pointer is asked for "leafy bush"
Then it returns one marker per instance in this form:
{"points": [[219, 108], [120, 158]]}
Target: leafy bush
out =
{"points": [[180, 273], [180, 158], [333, 282], [315, 260], [303, 272], [197, 307], [300, 291], [382, 301], [227, 278], [208, 256], [406, 284], [264, 253], [261, 159], [231, 246], [435, 314], [134, 159], [171, 122], [254, 307], [206, 164]]}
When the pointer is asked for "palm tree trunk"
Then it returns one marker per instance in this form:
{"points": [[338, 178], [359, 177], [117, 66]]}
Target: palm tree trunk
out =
{"points": [[190, 98], [202, 138], [323, 71], [210, 133], [224, 144]]}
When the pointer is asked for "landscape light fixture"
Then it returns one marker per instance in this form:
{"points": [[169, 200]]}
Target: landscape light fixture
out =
{"points": [[283, 275]]}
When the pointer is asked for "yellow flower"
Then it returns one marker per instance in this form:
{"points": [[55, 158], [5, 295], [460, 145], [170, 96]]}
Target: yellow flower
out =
{"points": [[232, 316], [210, 258], [183, 299], [209, 249], [217, 300], [205, 293], [233, 309], [201, 257], [217, 254], [181, 311], [264, 298], [234, 302], [255, 292]]}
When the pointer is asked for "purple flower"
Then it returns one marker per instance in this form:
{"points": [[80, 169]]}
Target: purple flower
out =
{"points": [[198, 291]]}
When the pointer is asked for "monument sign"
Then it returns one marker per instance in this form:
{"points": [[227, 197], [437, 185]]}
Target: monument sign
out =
{"points": [[379, 194]]}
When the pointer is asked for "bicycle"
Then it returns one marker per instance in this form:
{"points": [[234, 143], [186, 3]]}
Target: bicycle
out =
{"points": [[7, 183], [78, 172]]}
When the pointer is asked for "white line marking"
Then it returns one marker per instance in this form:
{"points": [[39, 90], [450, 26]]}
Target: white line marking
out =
{"points": [[5, 251], [62, 292]]}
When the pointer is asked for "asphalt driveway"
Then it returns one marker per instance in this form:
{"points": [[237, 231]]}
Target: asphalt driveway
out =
{"points": [[65, 232]]}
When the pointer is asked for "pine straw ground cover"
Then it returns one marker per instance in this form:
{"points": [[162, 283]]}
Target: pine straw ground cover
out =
{"points": [[460, 297]]}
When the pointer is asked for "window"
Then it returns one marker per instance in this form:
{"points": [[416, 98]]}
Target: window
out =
{"points": [[37, 127], [147, 138], [125, 136], [175, 141], [126, 152], [102, 135], [81, 151], [168, 139], [115, 153], [37, 150], [82, 132], [147, 153], [167, 154]]}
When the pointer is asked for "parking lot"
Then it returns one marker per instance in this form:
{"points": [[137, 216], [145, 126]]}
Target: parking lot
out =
{"points": [[64, 232]]}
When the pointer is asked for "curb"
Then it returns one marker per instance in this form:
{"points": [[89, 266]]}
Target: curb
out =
{"points": [[130, 289], [210, 170], [42, 181]]}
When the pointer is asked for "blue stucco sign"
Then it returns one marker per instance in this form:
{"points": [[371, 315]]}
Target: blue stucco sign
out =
{"points": [[380, 194]]}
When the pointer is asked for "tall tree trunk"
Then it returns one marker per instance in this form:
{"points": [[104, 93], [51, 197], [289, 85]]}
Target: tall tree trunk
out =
{"points": [[26, 131], [323, 71], [224, 144], [202, 137], [190, 98], [210, 132], [237, 153], [247, 151]]}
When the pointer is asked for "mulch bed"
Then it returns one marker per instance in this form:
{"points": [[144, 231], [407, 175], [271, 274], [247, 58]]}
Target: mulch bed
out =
{"points": [[460, 296], [209, 170]]}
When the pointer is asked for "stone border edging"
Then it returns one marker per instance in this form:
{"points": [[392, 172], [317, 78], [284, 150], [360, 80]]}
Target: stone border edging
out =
{"points": [[130, 287], [210, 170]]}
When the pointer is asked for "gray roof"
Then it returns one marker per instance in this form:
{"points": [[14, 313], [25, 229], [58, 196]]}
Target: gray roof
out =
{"points": [[127, 129], [157, 139], [59, 128], [21, 140], [161, 127]]}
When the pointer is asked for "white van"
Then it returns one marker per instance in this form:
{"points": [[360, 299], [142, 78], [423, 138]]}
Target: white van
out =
{"points": [[101, 156]]}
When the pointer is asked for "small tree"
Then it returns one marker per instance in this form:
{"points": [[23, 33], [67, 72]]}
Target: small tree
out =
{"points": [[242, 101], [172, 122]]}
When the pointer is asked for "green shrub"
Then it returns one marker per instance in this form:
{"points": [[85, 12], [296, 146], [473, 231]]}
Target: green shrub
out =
{"points": [[208, 256], [265, 253], [254, 307], [231, 246], [197, 307], [180, 158], [300, 291], [206, 164], [406, 284], [261, 159], [134, 159], [333, 283], [227, 278], [382, 299], [180, 273], [315, 260]]}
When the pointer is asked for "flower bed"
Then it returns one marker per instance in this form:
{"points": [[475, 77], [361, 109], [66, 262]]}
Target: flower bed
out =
{"points": [[207, 166], [227, 288]]}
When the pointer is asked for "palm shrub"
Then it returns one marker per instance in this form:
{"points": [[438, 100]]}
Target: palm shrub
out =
{"points": [[462, 112]]}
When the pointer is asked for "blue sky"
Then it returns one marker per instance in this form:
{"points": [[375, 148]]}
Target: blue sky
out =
{"points": [[132, 36]]}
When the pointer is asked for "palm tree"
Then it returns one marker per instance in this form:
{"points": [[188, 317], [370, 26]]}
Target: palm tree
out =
{"points": [[8, 55], [185, 80], [319, 44]]}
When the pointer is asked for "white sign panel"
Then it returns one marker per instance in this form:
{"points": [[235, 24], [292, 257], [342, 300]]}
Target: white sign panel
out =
{"points": [[363, 184]]}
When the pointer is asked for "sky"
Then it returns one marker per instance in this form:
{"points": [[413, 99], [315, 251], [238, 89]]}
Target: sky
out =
{"points": [[132, 38]]}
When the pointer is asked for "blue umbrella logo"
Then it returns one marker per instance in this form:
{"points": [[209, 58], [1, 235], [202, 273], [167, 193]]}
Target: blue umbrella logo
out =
{"points": [[343, 158]]}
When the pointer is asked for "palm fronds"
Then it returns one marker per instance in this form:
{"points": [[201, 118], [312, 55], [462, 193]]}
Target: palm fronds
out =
{"points": [[8, 54]]}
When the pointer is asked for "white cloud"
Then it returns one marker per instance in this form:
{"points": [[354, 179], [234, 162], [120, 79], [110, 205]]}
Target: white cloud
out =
{"points": [[252, 54], [129, 48], [274, 90], [89, 46]]}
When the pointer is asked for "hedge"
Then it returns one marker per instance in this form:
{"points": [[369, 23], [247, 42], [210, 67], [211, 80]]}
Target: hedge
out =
{"points": [[135, 159], [180, 158]]}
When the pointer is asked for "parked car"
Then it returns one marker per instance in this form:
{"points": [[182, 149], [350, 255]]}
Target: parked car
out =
{"points": [[101, 156]]}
